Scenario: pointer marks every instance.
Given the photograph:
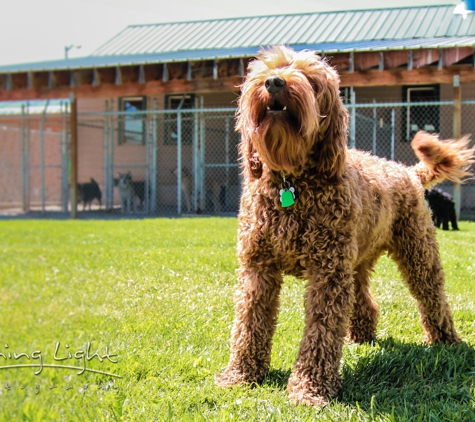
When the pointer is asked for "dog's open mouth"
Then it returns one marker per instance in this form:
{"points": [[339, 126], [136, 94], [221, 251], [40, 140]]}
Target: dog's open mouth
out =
{"points": [[276, 106]]}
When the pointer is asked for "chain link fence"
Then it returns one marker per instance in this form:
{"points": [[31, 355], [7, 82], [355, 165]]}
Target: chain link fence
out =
{"points": [[143, 160], [386, 130], [34, 159]]}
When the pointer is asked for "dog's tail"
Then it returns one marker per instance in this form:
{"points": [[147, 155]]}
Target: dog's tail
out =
{"points": [[441, 159]]}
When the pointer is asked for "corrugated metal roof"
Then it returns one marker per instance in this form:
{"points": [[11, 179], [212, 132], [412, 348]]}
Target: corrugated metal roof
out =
{"points": [[309, 28], [326, 32]]}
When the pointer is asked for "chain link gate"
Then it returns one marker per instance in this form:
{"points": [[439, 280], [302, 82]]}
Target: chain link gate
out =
{"points": [[34, 160]]}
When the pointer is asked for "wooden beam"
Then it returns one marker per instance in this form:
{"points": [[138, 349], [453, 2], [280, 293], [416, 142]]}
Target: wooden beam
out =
{"points": [[83, 89], [129, 89], [165, 73], [381, 61], [401, 76], [410, 60]]}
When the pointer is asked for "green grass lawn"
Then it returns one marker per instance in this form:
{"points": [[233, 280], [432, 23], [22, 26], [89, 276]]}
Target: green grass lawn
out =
{"points": [[158, 295]]}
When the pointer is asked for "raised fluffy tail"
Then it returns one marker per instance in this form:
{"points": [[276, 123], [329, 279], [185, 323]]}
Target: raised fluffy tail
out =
{"points": [[441, 159]]}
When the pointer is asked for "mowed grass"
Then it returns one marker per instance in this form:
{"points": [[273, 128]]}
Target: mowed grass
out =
{"points": [[159, 294]]}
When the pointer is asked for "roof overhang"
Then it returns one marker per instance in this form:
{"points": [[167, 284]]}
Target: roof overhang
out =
{"points": [[91, 62]]}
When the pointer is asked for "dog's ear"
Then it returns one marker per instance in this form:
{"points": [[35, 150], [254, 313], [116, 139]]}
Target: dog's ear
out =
{"points": [[251, 161], [330, 148]]}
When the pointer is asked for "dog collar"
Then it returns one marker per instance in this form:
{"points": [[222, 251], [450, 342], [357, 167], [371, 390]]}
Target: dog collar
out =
{"points": [[287, 193]]}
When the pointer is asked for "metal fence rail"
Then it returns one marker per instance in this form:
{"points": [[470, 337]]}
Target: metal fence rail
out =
{"points": [[180, 161]]}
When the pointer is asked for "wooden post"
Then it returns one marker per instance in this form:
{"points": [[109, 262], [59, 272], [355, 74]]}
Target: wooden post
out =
{"points": [[457, 135], [73, 157]]}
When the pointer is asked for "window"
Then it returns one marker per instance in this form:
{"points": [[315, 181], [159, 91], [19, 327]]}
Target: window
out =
{"points": [[426, 117], [179, 102], [132, 124]]}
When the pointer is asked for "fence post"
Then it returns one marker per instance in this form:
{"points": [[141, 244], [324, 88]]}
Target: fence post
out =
{"points": [[64, 158], [352, 143], [178, 160], [196, 159], [24, 161], [153, 176], [457, 135], [106, 155], [110, 156], [73, 157], [202, 123], [42, 159], [375, 129], [393, 135]]}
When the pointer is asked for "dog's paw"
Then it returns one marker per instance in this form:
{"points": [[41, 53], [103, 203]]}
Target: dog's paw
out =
{"points": [[225, 380], [308, 399], [302, 390], [231, 377]]}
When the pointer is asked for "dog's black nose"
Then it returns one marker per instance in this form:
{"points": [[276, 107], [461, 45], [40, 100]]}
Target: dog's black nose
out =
{"points": [[274, 84]]}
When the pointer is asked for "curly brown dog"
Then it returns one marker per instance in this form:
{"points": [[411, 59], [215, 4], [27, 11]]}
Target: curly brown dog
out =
{"points": [[315, 209]]}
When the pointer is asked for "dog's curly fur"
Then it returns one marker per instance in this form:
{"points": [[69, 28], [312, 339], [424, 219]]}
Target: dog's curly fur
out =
{"points": [[351, 208]]}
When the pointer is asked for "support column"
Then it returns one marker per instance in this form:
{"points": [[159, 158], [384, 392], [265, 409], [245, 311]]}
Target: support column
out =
{"points": [[457, 135], [352, 107], [73, 157]]}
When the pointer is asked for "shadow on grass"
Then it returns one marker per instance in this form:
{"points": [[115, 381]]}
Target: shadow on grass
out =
{"points": [[407, 380]]}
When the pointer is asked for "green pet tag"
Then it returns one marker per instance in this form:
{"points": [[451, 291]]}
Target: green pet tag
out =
{"points": [[287, 197]]}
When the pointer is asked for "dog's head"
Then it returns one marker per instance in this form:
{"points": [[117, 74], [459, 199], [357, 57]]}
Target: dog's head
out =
{"points": [[125, 179], [291, 116]]}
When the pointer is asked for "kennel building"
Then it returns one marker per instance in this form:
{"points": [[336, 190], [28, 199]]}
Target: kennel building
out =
{"points": [[157, 102]]}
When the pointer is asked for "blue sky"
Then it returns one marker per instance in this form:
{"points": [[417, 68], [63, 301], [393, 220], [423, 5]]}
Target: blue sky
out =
{"points": [[37, 30]]}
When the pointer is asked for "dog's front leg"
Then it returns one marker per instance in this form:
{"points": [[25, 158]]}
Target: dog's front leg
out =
{"points": [[328, 303], [256, 307]]}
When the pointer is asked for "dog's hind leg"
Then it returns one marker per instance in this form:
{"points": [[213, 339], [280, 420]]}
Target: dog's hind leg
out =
{"points": [[417, 256], [364, 317], [453, 218], [445, 222], [256, 309]]}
